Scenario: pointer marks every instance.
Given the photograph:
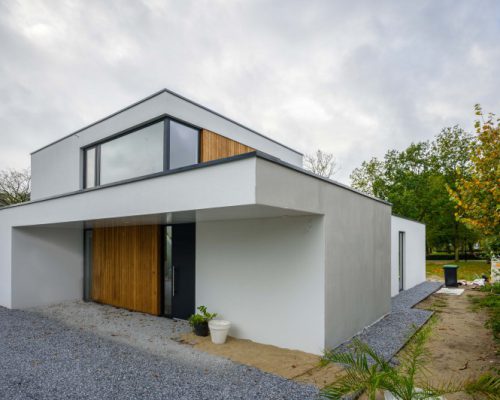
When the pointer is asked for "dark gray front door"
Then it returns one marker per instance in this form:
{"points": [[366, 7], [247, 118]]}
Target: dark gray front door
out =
{"points": [[179, 270]]}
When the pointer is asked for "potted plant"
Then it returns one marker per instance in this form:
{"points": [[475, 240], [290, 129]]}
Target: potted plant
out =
{"points": [[199, 321]]}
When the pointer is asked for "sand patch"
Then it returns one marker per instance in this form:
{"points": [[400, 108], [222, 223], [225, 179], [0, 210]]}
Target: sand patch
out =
{"points": [[461, 346], [290, 364]]}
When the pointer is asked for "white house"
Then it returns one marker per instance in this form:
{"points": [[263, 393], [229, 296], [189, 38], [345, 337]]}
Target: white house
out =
{"points": [[407, 254], [166, 205]]}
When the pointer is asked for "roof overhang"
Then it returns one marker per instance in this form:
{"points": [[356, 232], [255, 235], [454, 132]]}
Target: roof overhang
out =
{"points": [[252, 185]]}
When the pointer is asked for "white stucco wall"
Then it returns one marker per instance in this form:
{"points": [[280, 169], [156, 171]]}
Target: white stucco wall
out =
{"points": [[48, 265], [5, 264], [267, 277], [357, 251], [414, 253]]}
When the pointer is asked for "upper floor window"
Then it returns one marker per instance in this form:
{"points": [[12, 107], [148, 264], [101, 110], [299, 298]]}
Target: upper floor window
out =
{"points": [[183, 145], [141, 152], [90, 167]]}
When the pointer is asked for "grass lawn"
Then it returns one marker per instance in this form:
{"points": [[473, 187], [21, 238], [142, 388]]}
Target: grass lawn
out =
{"points": [[469, 270]]}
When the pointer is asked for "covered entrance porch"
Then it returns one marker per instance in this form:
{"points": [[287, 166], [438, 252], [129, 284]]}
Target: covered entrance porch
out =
{"points": [[146, 268]]}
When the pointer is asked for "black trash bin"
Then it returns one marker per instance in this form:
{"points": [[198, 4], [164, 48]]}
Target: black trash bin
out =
{"points": [[450, 275]]}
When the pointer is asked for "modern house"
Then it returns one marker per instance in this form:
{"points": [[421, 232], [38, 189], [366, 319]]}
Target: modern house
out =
{"points": [[167, 205]]}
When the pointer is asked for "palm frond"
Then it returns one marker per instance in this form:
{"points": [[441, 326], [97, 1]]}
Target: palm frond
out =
{"points": [[486, 385], [351, 382]]}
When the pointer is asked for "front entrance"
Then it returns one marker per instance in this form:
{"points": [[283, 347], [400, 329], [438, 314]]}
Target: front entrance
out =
{"points": [[178, 270], [148, 268]]}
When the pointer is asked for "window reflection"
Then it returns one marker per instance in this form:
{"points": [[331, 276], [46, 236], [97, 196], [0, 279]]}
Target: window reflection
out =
{"points": [[183, 145], [90, 168], [135, 154]]}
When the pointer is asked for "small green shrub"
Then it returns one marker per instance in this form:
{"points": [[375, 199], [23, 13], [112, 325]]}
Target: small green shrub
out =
{"points": [[202, 317]]}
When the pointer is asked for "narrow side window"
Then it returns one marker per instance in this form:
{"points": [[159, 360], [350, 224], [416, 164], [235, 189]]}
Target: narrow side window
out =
{"points": [[90, 162]]}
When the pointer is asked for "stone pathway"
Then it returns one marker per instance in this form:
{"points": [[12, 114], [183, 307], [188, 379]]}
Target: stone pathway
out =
{"points": [[391, 333]]}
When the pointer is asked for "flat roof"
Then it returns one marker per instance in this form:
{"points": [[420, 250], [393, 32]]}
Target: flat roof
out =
{"points": [[178, 96], [257, 154]]}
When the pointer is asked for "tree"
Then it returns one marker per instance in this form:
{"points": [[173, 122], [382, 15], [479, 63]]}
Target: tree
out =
{"points": [[415, 181], [369, 178], [321, 163], [476, 193], [15, 186], [451, 152]]}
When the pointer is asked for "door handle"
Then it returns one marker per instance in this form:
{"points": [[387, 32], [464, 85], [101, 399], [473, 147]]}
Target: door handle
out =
{"points": [[173, 281]]}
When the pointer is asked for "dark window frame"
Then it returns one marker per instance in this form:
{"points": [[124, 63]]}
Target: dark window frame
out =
{"points": [[165, 119]]}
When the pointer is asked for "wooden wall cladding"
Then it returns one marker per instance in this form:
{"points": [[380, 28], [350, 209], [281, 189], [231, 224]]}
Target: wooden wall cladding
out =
{"points": [[126, 267], [215, 147]]}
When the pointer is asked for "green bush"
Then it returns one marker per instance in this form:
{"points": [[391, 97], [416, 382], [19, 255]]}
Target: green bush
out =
{"points": [[492, 303]]}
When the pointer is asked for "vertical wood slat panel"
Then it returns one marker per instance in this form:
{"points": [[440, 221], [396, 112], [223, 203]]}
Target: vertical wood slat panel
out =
{"points": [[215, 146], [125, 269]]}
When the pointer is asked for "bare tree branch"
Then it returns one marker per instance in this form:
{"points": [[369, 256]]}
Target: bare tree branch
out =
{"points": [[15, 186], [321, 163]]}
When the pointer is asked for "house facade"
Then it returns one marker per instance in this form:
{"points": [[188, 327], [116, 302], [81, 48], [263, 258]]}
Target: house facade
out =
{"points": [[167, 205], [407, 254]]}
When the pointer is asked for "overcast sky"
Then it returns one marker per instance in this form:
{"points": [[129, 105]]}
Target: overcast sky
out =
{"points": [[353, 78]]}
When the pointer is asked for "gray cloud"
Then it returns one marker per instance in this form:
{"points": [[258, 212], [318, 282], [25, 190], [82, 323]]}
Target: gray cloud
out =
{"points": [[354, 78]]}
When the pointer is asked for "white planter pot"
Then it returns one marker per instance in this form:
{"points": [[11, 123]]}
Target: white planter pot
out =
{"points": [[219, 330], [390, 396]]}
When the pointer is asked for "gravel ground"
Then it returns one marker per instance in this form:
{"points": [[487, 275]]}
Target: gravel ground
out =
{"points": [[391, 333], [408, 298], [144, 331], [43, 358]]}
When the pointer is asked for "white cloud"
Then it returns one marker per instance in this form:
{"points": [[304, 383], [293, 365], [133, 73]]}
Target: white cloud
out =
{"points": [[353, 78]]}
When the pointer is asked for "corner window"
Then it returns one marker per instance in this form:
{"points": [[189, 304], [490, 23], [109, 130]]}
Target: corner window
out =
{"points": [[183, 145], [157, 147]]}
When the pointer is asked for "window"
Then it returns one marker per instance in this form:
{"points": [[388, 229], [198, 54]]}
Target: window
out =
{"points": [[143, 152], [183, 145], [136, 154], [90, 161]]}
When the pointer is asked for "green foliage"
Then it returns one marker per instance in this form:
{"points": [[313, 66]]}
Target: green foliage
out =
{"points": [[202, 317], [477, 191], [366, 372], [487, 386], [360, 375], [416, 182], [492, 303]]}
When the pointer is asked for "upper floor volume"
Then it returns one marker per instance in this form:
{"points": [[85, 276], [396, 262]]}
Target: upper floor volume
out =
{"points": [[163, 132]]}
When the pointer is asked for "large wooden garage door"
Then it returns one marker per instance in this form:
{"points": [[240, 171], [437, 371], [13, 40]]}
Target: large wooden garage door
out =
{"points": [[126, 267]]}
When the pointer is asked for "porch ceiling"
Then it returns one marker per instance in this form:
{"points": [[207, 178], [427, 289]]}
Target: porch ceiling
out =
{"points": [[215, 214]]}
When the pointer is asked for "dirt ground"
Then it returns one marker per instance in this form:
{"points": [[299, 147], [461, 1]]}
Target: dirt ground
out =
{"points": [[460, 345], [290, 364]]}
